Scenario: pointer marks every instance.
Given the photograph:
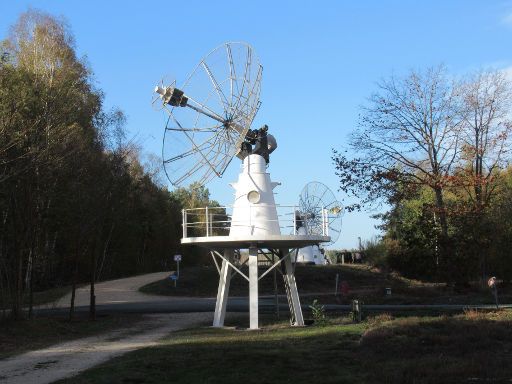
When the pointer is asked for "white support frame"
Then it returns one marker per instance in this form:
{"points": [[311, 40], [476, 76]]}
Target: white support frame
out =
{"points": [[294, 293], [215, 261], [184, 222], [273, 266], [230, 264], [227, 269], [253, 287], [223, 291]]}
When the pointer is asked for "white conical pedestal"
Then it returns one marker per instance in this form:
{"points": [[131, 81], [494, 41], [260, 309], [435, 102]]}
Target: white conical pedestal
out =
{"points": [[254, 210]]}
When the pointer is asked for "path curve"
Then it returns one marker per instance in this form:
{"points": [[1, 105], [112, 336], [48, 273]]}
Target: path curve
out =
{"points": [[70, 358], [119, 291]]}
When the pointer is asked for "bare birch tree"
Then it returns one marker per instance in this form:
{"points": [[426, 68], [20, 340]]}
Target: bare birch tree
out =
{"points": [[486, 111], [408, 133]]}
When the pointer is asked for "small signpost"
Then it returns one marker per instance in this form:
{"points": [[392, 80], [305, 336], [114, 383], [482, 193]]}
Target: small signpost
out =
{"points": [[176, 276]]}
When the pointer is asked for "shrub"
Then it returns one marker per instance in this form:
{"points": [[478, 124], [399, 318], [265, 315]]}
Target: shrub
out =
{"points": [[318, 312], [376, 252]]}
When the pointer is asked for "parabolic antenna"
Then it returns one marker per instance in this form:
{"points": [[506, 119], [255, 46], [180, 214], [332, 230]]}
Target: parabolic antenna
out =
{"points": [[314, 199], [210, 114], [156, 99]]}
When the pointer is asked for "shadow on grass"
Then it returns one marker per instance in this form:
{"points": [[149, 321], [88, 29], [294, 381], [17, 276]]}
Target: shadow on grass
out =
{"points": [[25, 335]]}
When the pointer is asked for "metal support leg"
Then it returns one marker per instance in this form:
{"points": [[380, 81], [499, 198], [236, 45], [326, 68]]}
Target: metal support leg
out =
{"points": [[253, 288], [294, 293], [223, 291]]}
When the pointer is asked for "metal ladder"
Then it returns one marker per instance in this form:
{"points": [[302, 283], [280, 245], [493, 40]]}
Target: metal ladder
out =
{"points": [[293, 320]]}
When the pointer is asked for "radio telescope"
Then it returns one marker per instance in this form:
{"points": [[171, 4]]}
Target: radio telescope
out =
{"points": [[315, 200], [209, 123], [319, 213], [210, 115]]}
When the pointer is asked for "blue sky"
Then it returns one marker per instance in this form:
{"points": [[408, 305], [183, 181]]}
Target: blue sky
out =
{"points": [[321, 61]]}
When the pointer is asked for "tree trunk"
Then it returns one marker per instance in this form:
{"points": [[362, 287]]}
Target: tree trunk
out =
{"points": [[29, 275], [17, 299], [444, 268], [105, 249], [73, 289], [72, 304], [5, 288], [92, 305], [31, 293], [478, 182], [442, 211]]}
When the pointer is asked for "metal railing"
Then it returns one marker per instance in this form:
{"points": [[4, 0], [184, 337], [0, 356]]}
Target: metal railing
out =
{"points": [[217, 221]]}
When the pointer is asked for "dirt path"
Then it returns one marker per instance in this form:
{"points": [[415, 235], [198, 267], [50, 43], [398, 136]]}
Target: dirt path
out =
{"points": [[68, 359]]}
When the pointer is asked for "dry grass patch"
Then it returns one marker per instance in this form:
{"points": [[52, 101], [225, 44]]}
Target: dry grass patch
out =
{"points": [[475, 345]]}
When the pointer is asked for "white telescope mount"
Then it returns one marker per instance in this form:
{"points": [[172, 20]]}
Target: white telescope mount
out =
{"points": [[254, 226], [209, 123]]}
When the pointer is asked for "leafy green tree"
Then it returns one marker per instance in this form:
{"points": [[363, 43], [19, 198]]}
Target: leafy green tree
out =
{"points": [[75, 201]]}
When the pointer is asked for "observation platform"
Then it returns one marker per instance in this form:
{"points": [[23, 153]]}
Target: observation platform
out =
{"points": [[254, 225], [260, 241]]}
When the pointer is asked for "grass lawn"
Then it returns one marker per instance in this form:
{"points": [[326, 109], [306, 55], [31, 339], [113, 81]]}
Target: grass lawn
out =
{"points": [[318, 282], [466, 348], [25, 335]]}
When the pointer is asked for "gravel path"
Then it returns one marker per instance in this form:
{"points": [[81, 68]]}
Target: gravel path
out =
{"points": [[68, 359]]}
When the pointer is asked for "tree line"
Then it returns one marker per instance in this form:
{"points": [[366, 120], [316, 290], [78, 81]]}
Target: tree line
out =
{"points": [[435, 150], [77, 203]]}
